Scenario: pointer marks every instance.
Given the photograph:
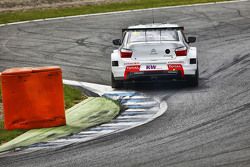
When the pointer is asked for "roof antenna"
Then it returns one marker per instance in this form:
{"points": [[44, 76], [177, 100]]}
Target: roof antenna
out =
{"points": [[153, 17]]}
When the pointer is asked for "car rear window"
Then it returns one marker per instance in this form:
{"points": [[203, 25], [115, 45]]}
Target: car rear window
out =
{"points": [[152, 35]]}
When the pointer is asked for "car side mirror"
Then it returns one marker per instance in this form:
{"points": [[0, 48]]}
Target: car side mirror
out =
{"points": [[117, 42], [191, 39]]}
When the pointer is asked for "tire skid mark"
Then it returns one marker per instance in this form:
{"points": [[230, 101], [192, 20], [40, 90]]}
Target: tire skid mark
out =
{"points": [[237, 59], [233, 112]]}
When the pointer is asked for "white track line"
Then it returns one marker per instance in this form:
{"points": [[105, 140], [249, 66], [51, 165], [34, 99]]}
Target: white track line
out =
{"points": [[121, 12], [96, 88]]}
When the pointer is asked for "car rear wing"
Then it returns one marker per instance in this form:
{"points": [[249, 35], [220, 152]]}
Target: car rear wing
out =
{"points": [[153, 28]]}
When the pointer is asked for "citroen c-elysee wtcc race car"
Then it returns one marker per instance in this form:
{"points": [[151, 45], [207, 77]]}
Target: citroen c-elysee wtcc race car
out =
{"points": [[154, 51]]}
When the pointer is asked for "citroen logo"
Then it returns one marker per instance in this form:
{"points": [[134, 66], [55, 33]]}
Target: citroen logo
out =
{"points": [[153, 52]]}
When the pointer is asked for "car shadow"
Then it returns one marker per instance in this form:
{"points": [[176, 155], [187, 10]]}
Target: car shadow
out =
{"points": [[164, 85]]}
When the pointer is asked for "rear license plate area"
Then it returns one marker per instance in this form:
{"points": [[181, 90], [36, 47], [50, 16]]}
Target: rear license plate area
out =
{"points": [[153, 67]]}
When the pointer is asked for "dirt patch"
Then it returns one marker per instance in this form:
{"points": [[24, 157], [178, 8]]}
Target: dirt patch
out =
{"points": [[13, 5]]}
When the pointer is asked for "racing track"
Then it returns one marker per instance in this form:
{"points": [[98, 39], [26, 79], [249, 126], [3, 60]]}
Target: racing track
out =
{"points": [[207, 126]]}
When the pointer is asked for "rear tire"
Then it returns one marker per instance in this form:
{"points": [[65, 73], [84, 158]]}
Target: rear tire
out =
{"points": [[116, 83], [194, 80]]}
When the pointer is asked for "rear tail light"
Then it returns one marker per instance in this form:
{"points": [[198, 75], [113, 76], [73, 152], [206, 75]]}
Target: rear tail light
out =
{"points": [[133, 69], [182, 51], [126, 53], [176, 67]]}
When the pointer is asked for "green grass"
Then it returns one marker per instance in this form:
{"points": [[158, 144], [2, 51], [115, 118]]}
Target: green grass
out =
{"points": [[7, 17], [7, 135], [72, 96]]}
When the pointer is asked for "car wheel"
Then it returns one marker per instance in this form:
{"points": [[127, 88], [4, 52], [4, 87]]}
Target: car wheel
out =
{"points": [[115, 83], [194, 80]]}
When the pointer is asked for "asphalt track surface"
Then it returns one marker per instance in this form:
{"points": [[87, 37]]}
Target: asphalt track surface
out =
{"points": [[204, 126]]}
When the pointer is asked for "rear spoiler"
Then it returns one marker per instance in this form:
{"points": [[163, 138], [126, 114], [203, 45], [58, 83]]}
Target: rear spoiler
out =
{"points": [[160, 28]]}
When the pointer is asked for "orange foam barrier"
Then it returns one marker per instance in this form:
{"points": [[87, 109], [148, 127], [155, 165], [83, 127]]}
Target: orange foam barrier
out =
{"points": [[33, 98]]}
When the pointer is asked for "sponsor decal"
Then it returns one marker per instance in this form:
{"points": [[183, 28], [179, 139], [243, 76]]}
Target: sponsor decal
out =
{"points": [[176, 67], [150, 67], [169, 56], [129, 69], [153, 67]]}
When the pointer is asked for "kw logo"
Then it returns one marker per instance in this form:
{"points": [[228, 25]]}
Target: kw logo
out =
{"points": [[150, 67]]}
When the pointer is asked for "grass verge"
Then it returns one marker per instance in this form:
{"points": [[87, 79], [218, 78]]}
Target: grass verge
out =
{"points": [[72, 96], [32, 14], [90, 112]]}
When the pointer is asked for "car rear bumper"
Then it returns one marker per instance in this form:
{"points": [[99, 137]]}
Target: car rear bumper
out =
{"points": [[152, 75], [121, 74]]}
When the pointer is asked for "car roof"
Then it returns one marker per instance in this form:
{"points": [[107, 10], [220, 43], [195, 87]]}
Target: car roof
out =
{"points": [[154, 26]]}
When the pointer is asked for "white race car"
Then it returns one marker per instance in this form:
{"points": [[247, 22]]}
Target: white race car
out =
{"points": [[154, 51]]}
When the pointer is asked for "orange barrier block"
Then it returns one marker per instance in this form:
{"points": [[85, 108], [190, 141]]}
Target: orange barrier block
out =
{"points": [[33, 98]]}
